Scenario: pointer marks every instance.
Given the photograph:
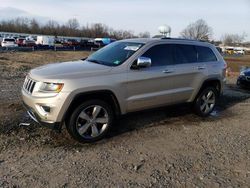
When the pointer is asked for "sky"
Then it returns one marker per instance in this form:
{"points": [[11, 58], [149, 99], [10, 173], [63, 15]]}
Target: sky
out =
{"points": [[224, 16]]}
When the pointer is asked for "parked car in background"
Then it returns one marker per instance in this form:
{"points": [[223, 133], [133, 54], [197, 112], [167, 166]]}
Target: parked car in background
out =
{"points": [[229, 50], [19, 41], [103, 41], [1, 39], [45, 41], [89, 44], [244, 78], [29, 43], [125, 76], [9, 43], [71, 42], [239, 51]]}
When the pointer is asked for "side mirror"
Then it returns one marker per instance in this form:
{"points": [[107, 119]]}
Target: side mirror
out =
{"points": [[143, 62]]}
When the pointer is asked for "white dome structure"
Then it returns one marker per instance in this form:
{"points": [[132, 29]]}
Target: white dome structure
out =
{"points": [[165, 30]]}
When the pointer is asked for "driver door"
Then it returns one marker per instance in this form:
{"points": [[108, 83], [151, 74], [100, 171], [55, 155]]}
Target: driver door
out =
{"points": [[152, 86]]}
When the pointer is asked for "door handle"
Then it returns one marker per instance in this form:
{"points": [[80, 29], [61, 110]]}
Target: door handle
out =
{"points": [[168, 71], [201, 67]]}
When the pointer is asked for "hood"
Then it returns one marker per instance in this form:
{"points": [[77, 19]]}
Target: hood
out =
{"points": [[69, 70], [247, 72]]}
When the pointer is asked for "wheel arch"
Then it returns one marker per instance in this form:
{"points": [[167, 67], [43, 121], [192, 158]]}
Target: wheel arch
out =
{"points": [[105, 95], [212, 82]]}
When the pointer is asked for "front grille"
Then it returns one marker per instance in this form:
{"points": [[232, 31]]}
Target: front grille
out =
{"points": [[29, 85]]}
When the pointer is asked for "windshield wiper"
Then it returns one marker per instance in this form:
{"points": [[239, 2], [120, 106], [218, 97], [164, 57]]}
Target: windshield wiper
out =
{"points": [[94, 61], [97, 62], [83, 59]]}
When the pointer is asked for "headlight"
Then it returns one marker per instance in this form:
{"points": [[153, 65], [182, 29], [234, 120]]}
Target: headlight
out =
{"points": [[242, 73], [51, 87]]}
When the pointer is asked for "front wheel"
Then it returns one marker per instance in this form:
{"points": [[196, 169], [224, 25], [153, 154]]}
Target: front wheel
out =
{"points": [[90, 121], [206, 101]]}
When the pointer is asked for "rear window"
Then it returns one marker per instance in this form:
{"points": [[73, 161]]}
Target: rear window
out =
{"points": [[9, 40], [205, 54], [169, 54], [185, 53]]}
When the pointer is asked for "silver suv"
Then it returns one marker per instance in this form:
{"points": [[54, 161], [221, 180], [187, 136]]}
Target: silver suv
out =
{"points": [[125, 76]]}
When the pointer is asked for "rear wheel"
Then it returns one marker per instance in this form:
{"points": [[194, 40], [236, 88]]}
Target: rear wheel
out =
{"points": [[206, 101], [90, 121]]}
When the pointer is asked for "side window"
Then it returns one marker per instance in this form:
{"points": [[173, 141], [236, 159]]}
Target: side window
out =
{"points": [[161, 55], [185, 54], [205, 54]]}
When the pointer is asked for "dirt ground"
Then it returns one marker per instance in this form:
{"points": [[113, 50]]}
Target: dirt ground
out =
{"points": [[167, 147]]}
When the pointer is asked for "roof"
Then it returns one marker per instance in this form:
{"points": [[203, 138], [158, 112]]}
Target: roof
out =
{"points": [[141, 40], [151, 40]]}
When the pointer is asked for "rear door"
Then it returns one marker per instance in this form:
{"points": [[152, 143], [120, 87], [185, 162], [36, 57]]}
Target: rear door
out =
{"points": [[206, 56], [189, 73]]}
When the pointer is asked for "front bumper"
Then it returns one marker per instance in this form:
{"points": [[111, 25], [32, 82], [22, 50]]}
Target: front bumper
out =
{"points": [[35, 117], [35, 106], [243, 81]]}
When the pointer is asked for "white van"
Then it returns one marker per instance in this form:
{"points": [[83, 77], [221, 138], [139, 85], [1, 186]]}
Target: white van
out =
{"points": [[239, 51], [45, 40]]}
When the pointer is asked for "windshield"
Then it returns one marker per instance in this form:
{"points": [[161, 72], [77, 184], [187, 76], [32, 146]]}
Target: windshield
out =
{"points": [[115, 53]]}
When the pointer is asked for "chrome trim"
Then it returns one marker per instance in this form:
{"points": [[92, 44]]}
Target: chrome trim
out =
{"points": [[32, 116], [29, 85], [143, 62]]}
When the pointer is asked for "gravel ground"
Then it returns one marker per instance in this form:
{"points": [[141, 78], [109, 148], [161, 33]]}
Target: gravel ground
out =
{"points": [[167, 147]]}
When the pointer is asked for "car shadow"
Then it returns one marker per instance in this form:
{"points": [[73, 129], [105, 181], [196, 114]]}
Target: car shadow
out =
{"points": [[182, 114]]}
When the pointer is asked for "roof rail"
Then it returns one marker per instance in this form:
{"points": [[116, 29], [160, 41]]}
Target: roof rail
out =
{"points": [[164, 38]]}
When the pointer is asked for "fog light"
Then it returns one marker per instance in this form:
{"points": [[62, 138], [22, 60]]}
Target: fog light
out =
{"points": [[46, 109]]}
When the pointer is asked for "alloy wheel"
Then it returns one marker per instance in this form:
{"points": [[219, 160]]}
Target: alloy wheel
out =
{"points": [[92, 121], [207, 102]]}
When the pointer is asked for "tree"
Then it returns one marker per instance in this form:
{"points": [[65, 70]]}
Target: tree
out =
{"points": [[70, 28], [34, 26], [73, 24], [99, 30], [144, 35], [198, 30], [229, 39], [51, 27]]}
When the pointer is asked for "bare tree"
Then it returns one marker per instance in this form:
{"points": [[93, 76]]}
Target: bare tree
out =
{"points": [[100, 30], [73, 24], [51, 27], [198, 30], [144, 35], [71, 28], [229, 39], [34, 26]]}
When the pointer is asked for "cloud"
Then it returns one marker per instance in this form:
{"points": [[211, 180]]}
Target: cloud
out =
{"points": [[8, 13]]}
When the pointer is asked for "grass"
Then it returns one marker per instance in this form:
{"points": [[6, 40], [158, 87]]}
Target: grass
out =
{"points": [[17, 60], [236, 62]]}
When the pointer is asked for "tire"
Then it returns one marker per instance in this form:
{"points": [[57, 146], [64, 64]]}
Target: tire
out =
{"points": [[238, 84], [204, 103], [90, 121]]}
